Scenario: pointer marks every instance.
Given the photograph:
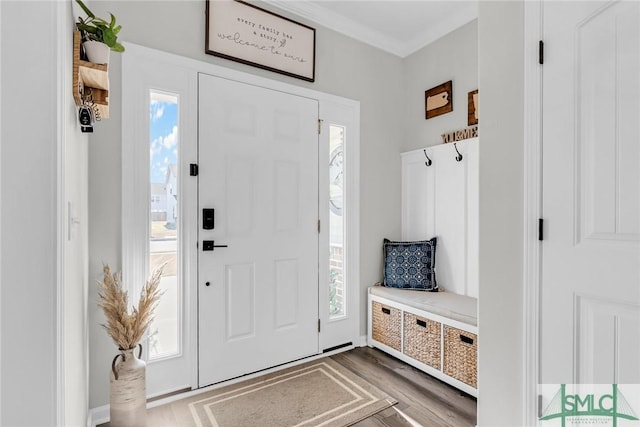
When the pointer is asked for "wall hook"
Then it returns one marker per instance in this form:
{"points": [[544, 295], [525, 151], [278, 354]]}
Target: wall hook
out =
{"points": [[428, 162], [458, 156]]}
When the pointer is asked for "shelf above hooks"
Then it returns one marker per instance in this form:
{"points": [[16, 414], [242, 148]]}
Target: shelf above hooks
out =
{"points": [[90, 81]]}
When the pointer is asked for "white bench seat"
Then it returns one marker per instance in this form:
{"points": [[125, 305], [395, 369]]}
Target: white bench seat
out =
{"points": [[446, 304], [436, 332]]}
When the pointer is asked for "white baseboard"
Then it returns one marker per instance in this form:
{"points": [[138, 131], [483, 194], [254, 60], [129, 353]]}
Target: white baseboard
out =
{"points": [[99, 415], [362, 341]]}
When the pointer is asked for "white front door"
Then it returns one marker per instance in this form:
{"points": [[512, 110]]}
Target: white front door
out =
{"points": [[258, 255], [590, 300]]}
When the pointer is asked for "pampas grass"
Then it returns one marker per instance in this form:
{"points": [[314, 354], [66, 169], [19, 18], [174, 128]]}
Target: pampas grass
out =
{"points": [[127, 329]]}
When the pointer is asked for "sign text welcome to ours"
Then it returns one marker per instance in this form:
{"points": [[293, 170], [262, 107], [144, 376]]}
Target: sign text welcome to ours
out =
{"points": [[245, 33]]}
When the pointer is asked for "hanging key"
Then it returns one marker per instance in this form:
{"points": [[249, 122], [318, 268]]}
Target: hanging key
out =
{"points": [[85, 118]]}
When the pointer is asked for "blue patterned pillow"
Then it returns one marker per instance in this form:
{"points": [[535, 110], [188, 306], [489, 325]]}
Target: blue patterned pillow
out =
{"points": [[410, 265]]}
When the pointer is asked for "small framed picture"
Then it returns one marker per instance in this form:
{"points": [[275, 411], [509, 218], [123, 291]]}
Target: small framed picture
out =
{"points": [[472, 101], [439, 100]]}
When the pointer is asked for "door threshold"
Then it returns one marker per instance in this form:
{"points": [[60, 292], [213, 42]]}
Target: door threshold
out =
{"points": [[178, 395], [337, 347], [167, 395]]}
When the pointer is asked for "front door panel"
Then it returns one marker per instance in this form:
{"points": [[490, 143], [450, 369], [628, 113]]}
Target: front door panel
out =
{"points": [[258, 296]]}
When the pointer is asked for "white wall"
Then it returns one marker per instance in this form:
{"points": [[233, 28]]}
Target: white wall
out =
{"points": [[76, 250], [501, 80], [38, 125], [452, 57], [344, 67], [28, 192], [1, 56]]}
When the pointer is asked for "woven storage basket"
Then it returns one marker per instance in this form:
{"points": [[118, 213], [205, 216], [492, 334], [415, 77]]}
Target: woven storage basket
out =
{"points": [[387, 323], [461, 355], [422, 339]]}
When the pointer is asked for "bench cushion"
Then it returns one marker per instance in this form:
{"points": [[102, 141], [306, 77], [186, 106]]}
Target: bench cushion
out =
{"points": [[453, 306]]}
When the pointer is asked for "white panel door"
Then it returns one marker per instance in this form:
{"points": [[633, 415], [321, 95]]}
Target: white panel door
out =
{"points": [[590, 302], [258, 296]]}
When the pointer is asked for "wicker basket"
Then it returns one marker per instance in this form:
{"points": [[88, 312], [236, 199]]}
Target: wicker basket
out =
{"points": [[387, 323], [461, 355], [422, 339]]}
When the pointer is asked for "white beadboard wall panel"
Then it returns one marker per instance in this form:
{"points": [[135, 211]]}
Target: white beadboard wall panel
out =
{"points": [[442, 200], [415, 176]]}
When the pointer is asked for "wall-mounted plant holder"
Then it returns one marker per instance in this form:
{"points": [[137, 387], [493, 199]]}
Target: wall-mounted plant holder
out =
{"points": [[90, 82]]}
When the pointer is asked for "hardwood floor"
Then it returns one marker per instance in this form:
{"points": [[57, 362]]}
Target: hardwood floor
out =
{"points": [[426, 400]]}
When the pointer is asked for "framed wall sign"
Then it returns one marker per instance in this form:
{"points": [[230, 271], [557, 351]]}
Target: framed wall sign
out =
{"points": [[438, 100], [472, 101], [245, 33]]}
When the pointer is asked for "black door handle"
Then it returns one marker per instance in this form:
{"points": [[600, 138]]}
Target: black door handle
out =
{"points": [[209, 245]]}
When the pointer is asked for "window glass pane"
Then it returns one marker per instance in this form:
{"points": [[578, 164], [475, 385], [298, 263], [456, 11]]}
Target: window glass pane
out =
{"points": [[337, 295], [164, 339]]}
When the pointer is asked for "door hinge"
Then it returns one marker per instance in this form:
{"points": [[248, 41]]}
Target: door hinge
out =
{"points": [[319, 126], [193, 169], [540, 52], [540, 229], [318, 226], [318, 325]]}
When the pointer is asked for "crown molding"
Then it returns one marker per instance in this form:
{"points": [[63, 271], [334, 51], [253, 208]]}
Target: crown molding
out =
{"points": [[464, 15], [339, 23]]}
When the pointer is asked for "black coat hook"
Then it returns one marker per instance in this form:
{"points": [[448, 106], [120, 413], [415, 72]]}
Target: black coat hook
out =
{"points": [[428, 162], [458, 156]]}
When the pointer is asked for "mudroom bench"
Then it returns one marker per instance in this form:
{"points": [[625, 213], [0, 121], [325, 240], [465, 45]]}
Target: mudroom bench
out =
{"points": [[435, 332]]}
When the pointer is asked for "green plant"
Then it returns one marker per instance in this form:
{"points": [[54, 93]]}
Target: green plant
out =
{"points": [[94, 28]]}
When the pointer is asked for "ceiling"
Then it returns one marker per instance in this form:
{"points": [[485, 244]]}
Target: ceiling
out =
{"points": [[400, 27]]}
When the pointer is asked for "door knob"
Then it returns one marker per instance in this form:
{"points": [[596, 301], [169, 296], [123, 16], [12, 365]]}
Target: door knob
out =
{"points": [[209, 245]]}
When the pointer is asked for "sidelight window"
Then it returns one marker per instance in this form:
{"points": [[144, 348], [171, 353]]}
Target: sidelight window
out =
{"points": [[337, 290], [164, 221]]}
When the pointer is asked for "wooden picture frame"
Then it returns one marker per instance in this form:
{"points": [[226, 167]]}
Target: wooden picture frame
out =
{"points": [[472, 102], [245, 33], [438, 100]]}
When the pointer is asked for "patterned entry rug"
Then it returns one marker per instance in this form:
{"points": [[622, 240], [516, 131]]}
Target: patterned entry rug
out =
{"points": [[319, 393]]}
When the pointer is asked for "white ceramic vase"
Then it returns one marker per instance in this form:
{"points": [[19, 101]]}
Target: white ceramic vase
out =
{"points": [[128, 405], [97, 52]]}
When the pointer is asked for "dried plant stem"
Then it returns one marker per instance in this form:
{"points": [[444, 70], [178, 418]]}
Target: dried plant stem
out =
{"points": [[127, 329]]}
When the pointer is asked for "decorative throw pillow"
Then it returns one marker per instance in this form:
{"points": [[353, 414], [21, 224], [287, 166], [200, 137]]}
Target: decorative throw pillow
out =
{"points": [[410, 265]]}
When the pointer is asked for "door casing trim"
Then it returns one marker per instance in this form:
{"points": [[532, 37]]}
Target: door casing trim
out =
{"points": [[533, 33], [130, 245]]}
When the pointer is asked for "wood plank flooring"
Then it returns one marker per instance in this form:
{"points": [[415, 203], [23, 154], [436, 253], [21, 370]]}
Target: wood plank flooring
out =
{"points": [[426, 400]]}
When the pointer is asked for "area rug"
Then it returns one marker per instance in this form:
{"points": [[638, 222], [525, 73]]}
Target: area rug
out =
{"points": [[319, 393]]}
